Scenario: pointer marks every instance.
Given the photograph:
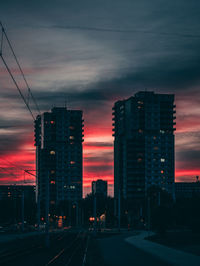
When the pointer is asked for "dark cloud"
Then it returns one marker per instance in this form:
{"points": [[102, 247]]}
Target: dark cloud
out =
{"points": [[189, 158], [91, 53], [96, 169], [98, 144]]}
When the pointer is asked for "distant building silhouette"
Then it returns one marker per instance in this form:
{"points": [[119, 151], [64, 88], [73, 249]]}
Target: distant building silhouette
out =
{"points": [[143, 144], [15, 192], [187, 189], [100, 187], [58, 141]]}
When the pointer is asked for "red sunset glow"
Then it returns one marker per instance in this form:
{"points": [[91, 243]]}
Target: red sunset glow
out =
{"points": [[97, 161]]}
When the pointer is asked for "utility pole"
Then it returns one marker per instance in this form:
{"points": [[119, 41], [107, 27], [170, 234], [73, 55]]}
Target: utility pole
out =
{"points": [[22, 202], [38, 210], [77, 214], [159, 198], [95, 214], [47, 211], [119, 211], [149, 213], [69, 212]]}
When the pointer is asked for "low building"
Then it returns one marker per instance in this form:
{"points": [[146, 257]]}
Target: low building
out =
{"points": [[100, 188], [16, 191], [187, 189]]}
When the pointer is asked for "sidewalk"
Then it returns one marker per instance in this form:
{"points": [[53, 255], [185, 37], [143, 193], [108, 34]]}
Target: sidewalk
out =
{"points": [[170, 255]]}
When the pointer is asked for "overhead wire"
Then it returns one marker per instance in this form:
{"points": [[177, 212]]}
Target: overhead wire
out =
{"points": [[3, 33], [30, 94], [18, 167], [15, 82]]}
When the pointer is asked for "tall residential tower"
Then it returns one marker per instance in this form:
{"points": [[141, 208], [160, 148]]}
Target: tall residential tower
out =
{"points": [[58, 141], [143, 144]]}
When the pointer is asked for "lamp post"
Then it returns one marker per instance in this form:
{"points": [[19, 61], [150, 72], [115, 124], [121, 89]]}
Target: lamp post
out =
{"points": [[47, 212], [119, 211]]}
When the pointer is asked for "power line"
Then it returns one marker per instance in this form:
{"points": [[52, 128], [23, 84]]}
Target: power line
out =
{"points": [[16, 166], [8, 171], [3, 33], [30, 94], [15, 82]]}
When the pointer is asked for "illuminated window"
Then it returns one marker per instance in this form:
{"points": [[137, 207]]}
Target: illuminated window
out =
{"points": [[162, 172], [71, 137], [52, 152], [140, 102], [72, 162], [72, 187], [162, 131], [162, 160], [52, 182], [52, 172], [52, 122]]}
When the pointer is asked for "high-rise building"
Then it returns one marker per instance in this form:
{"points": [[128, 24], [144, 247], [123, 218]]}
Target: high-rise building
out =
{"points": [[99, 187], [143, 144], [58, 141]]}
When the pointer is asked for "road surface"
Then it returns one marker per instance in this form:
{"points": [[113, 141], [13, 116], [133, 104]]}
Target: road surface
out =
{"points": [[117, 252]]}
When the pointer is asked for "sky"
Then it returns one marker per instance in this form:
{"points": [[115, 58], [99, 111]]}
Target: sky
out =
{"points": [[90, 54]]}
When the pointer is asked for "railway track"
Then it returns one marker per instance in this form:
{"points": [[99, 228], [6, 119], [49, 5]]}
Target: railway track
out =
{"points": [[11, 255], [74, 253], [66, 249]]}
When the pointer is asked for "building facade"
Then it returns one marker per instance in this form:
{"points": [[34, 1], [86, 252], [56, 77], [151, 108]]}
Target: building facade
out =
{"points": [[16, 192], [100, 188], [143, 144], [187, 190], [58, 141]]}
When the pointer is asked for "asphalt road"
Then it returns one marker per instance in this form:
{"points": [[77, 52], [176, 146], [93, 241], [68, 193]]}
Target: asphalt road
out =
{"points": [[117, 252]]}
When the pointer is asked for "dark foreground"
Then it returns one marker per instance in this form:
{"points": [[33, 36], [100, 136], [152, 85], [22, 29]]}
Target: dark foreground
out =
{"points": [[186, 241], [76, 247], [117, 252], [66, 248]]}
